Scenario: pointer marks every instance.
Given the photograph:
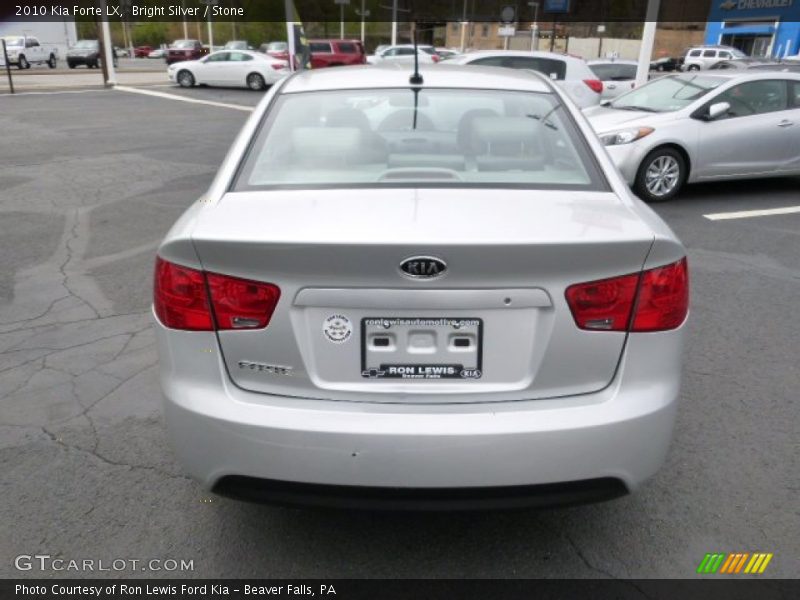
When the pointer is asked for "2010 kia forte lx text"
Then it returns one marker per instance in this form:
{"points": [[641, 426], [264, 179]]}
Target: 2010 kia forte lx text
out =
{"points": [[420, 292]]}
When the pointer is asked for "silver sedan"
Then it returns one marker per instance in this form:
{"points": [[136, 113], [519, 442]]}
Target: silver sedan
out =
{"points": [[432, 292], [703, 127]]}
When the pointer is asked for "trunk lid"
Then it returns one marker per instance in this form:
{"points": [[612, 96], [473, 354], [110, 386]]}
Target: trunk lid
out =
{"points": [[336, 256]]}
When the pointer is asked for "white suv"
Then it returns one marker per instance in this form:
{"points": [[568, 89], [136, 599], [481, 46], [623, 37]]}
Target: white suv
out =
{"points": [[702, 57]]}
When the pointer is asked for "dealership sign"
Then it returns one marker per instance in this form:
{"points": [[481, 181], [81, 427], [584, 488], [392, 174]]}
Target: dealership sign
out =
{"points": [[754, 4]]}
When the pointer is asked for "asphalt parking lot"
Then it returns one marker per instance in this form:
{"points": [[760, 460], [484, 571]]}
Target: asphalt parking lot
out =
{"points": [[91, 181]]}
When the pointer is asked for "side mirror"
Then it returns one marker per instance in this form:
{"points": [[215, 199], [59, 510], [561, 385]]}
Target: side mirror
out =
{"points": [[717, 110]]}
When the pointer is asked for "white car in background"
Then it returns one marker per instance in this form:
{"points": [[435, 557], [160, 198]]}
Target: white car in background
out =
{"points": [[618, 76], [404, 52], [702, 57], [230, 68], [572, 74]]}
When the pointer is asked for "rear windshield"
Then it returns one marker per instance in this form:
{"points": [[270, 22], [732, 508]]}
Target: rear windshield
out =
{"points": [[432, 137], [614, 72], [184, 44]]}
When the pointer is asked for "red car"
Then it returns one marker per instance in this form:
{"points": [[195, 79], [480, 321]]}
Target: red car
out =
{"points": [[324, 53], [336, 53], [142, 51], [185, 50]]}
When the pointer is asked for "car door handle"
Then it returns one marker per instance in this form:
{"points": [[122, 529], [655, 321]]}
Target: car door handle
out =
{"points": [[785, 123], [611, 86]]}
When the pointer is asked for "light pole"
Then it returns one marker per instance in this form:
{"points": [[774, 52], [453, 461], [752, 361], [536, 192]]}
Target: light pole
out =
{"points": [[341, 4], [394, 22], [535, 26], [209, 4], [363, 13], [464, 24]]}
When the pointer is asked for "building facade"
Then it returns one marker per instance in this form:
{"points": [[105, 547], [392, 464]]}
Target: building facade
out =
{"points": [[756, 27]]}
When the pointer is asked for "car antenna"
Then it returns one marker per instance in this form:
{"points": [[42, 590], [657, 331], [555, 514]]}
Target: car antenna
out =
{"points": [[416, 78]]}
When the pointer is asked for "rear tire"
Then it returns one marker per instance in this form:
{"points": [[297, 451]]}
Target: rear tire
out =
{"points": [[22, 63], [51, 62], [71, 65], [256, 82], [661, 175], [185, 79], [693, 68]]}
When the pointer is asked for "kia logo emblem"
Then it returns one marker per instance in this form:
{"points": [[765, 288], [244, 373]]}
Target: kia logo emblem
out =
{"points": [[423, 267]]}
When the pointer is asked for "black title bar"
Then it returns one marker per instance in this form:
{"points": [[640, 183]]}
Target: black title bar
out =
{"points": [[601, 11]]}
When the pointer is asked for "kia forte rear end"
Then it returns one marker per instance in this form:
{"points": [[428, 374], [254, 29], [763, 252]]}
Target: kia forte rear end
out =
{"points": [[423, 295]]}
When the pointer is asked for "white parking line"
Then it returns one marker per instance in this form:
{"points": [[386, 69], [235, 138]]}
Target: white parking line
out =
{"points": [[747, 214], [145, 92]]}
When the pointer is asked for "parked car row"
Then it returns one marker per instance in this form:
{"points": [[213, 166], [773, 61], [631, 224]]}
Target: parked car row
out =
{"points": [[669, 132]]}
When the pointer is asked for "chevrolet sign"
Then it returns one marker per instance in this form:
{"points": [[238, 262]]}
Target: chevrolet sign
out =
{"points": [[754, 4]]}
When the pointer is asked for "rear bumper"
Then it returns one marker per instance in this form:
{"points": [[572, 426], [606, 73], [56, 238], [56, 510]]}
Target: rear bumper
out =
{"points": [[621, 433], [396, 498]]}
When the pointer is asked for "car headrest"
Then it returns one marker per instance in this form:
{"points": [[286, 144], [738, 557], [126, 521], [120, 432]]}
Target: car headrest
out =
{"points": [[506, 136], [338, 145], [347, 117]]}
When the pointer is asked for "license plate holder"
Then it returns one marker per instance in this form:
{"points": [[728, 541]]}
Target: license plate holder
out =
{"points": [[422, 348]]}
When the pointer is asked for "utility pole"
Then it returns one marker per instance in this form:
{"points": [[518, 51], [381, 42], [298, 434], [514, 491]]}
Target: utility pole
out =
{"points": [[107, 46], [8, 67]]}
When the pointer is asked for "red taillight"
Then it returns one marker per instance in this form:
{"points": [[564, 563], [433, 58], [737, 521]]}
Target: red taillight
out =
{"points": [[663, 298], [604, 305], [278, 66], [662, 301], [180, 298], [181, 301], [436, 58], [595, 85], [240, 303]]}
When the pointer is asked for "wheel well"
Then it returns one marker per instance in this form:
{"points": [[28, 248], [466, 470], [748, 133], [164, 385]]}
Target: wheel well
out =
{"points": [[680, 150]]}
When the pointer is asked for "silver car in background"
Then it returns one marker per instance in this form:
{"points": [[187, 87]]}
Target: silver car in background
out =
{"points": [[420, 293], [710, 126]]}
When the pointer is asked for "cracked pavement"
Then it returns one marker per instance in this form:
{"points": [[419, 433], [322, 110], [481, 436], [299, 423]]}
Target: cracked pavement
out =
{"points": [[89, 183]]}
